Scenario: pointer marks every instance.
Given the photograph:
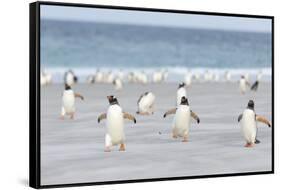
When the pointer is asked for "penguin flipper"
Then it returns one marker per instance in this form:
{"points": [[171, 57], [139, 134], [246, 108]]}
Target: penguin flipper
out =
{"points": [[129, 116], [240, 117], [101, 117], [263, 120], [257, 141], [171, 111], [78, 96], [195, 116]]}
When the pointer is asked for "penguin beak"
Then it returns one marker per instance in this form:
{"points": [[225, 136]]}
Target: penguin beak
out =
{"points": [[110, 98]]}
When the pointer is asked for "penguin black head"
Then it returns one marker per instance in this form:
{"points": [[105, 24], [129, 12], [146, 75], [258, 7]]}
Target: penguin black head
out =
{"points": [[251, 104], [181, 85], [112, 100], [184, 101], [242, 76], [67, 87]]}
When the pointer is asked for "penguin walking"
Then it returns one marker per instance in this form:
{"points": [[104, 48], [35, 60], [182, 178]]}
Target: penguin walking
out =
{"points": [[68, 102], [243, 83], [248, 120], [255, 86], [70, 78], [227, 76], [182, 119], [188, 79], [115, 124], [146, 104], [118, 84], [181, 92]]}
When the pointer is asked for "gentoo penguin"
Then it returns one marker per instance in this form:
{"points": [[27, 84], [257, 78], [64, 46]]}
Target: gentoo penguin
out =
{"points": [[69, 78], [158, 76], [249, 124], [110, 77], [181, 92], [243, 83], [188, 79], [91, 79], [227, 76], [146, 104], [182, 119], [255, 86], [99, 76], [118, 84], [68, 102], [115, 124]]}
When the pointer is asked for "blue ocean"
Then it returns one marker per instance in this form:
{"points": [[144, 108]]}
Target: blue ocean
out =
{"points": [[87, 46]]}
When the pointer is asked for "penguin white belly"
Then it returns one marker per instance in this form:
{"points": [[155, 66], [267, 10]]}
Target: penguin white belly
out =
{"points": [[68, 101], [69, 79], [249, 126], [180, 93], [115, 124], [242, 85], [181, 121], [118, 84]]}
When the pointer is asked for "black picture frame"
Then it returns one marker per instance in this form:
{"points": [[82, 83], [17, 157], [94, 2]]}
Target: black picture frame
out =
{"points": [[34, 93]]}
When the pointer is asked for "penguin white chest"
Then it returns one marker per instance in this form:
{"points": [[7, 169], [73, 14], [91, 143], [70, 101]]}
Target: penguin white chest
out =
{"points": [[115, 124], [182, 120], [69, 79], [68, 101], [242, 85], [249, 126], [180, 93]]}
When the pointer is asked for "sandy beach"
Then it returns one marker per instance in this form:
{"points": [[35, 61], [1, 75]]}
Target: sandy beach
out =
{"points": [[72, 151]]}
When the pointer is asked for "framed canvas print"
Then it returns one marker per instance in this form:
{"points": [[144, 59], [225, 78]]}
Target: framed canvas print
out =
{"points": [[123, 94]]}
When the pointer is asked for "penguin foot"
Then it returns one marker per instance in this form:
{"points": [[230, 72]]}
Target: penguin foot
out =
{"points": [[249, 145], [184, 140], [72, 116], [122, 147]]}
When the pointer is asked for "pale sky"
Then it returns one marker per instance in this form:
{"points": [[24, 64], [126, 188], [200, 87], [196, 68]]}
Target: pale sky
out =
{"points": [[155, 18]]}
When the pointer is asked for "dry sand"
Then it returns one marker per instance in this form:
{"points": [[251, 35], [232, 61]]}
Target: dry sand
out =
{"points": [[72, 151]]}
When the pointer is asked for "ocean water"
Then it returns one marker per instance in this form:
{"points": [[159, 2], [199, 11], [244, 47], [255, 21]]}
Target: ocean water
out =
{"points": [[87, 46]]}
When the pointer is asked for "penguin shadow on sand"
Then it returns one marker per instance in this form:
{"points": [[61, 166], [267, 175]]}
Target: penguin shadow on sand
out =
{"points": [[68, 102], [115, 134]]}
